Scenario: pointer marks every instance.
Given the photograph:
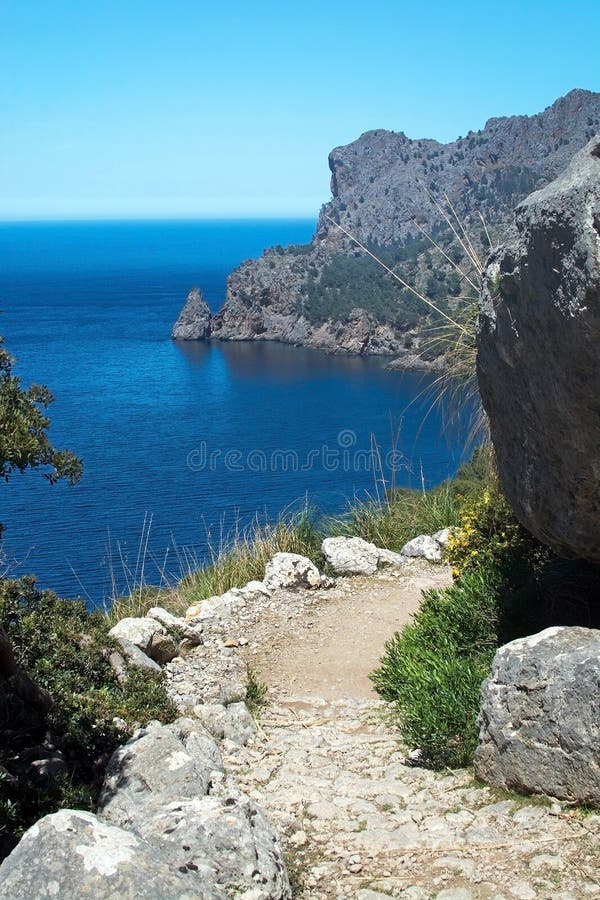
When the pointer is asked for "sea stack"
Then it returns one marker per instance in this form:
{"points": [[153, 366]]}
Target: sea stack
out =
{"points": [[194, 319]]}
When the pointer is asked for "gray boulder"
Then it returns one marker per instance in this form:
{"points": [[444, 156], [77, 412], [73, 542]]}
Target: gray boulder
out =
{"points": [[425, 547], [175, 626], [72, 854], [148, 635], [540, 716], [355, 556], [159, 765], [229, 835], [538, 360], [291, 571], [194, 322]]}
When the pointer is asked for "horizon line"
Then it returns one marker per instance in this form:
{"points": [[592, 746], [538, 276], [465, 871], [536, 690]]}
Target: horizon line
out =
{"points": [[240, 217]]}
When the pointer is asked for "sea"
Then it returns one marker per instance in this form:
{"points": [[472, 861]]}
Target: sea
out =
{"points": [[184, 445]]}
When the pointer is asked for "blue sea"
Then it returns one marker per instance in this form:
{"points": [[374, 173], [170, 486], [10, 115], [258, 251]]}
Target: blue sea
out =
{"points": [[183, 443]]}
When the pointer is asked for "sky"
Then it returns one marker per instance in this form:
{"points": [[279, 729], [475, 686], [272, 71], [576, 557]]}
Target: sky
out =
{"points": [[195, 109]]}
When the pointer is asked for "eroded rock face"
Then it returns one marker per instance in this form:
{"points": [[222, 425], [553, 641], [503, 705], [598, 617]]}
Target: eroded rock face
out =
{"points": [[194, 319], [539, 360], [378, 193], [540, 717]]}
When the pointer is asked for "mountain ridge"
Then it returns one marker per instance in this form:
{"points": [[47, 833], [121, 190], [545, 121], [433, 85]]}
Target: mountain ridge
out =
{"points": [[387, 190]]}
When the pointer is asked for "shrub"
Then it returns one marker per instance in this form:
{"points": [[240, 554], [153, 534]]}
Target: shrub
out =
{"points": [[65, 649], [432, 671]]}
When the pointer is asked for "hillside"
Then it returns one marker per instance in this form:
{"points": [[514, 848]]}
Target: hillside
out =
{"points": [[385, 188]]}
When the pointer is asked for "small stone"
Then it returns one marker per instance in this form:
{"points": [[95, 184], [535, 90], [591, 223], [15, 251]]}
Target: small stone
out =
{"points": [[299, 839], [522, 890], [546, 861]]}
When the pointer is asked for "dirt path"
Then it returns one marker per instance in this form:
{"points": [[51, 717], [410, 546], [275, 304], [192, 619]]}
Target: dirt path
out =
{"points": [[329, 769], [330, 652]]}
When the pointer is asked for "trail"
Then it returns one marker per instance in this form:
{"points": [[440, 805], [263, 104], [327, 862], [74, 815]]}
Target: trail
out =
{"points": [[328, 767]]}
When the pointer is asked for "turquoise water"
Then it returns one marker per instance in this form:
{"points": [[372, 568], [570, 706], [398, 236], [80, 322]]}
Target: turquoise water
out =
{"points": [[184, 441]]}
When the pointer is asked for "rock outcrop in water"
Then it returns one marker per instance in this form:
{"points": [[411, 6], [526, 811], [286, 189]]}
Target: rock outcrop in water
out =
{"points": [[193, 323], [539, 360], [329, 295]]}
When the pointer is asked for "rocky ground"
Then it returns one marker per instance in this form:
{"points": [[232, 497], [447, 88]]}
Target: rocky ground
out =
{"points": [[327, 766]]}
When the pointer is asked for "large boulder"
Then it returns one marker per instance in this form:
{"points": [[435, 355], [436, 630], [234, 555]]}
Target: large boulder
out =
{"points": [[355, 556], [228, 835], [539, 360], [194, 320], [540, 716], [160, 764], [72, 854]]}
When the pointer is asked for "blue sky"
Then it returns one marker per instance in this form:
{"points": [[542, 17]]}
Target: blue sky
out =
{"points": [[193, 109]]}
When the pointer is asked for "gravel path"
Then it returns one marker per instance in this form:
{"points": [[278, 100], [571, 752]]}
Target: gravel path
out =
{"points": [[327, 766]]}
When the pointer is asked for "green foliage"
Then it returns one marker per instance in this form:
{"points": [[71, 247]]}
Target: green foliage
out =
{"points": [[65, 649], [433, 670], [256, 692], [358, 281], [490, 535], [24, 442]]}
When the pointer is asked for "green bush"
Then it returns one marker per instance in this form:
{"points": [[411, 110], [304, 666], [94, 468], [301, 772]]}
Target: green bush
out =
{"points": [[432, 671], [64, 648]]}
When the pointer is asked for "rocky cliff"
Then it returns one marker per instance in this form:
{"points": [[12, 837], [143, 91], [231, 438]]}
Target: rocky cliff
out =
{"points": [[538, 365], [385, 188]]}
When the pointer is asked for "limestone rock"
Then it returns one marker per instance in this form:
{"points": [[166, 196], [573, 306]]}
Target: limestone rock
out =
{"points": [[291, 571], [350, 556], [73, 854], [135, 657], [540, 716], [175, 625], [214, 609], [355, 556], [148, 635], [377, 196], [424, 546], [442, 536], [227, 835], [539, 363], [233, 723], [194, 319], [159, 765]]}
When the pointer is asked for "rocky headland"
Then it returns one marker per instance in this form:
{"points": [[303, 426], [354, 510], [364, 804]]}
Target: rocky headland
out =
{"points": [[386, 190]]}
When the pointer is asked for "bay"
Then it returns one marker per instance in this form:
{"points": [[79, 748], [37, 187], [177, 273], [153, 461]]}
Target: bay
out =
{"points": [[183, 443]]}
